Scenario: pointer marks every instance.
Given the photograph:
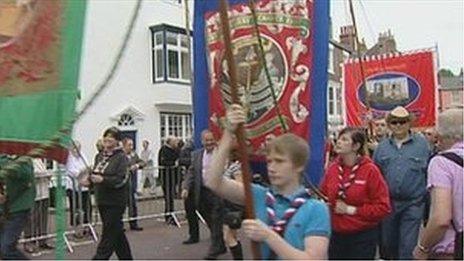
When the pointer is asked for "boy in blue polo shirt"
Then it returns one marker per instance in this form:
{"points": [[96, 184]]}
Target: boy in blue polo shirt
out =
{"points": [[290, 223]]}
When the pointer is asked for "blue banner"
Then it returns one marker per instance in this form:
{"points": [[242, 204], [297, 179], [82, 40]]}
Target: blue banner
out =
{"points": [[295, 39]]}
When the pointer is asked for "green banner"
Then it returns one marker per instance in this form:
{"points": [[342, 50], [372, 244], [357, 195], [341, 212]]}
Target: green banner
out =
{"points": [[40, 49]]}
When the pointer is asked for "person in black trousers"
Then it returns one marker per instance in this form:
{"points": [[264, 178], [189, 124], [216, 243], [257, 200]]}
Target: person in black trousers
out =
{"points": [[135, 163], [198, 197], [109, 177], [167, 157]]}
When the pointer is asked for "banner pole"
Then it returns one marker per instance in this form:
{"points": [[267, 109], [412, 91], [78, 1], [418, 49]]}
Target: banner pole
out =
{"points": [[240, 132], [363, 77]]}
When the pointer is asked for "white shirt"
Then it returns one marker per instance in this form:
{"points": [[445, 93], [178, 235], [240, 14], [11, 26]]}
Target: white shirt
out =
{"points": [[74, 166], [42, 178]]}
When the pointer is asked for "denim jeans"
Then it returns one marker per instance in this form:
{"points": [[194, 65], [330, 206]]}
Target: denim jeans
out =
{"points": [[10, 233], [400, 229]]}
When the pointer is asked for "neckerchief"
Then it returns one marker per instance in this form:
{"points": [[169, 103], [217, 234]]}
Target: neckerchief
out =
{"points": [[279, 226], [103, 162], [343, 186]]}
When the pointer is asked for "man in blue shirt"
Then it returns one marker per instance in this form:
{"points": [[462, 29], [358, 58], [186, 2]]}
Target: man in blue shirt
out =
{"points": [[402, 159], [291, 224]]}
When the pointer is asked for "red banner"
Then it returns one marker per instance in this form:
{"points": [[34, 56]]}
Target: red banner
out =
{"points": [[407, 80], [286, 37]]}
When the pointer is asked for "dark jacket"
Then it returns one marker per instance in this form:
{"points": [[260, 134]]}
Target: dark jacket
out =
{"points": [[167, 156], [113, 191], [193, 179], [133, 159], [185, 156], [20, 186]]}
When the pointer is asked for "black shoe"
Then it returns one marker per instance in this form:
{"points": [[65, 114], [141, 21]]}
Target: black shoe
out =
{"points": [[137, 228], [214, 254], [190, 241], [46, 246], [171, 222]]}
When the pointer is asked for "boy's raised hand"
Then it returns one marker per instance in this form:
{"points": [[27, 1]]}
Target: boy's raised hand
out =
{"points": [[234, 116]]}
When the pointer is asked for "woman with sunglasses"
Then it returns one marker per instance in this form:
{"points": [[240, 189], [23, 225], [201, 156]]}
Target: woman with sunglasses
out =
{"points": [[358, 198]]}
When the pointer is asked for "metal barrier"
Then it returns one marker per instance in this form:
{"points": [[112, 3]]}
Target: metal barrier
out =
{"points": [[80, 209], [166, 192], [167, 188], [37, 231]]}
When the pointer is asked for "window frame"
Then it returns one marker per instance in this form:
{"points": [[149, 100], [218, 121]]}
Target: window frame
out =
{"points": [[184, 130], [331, 101], [164, 30], [331, 61]]}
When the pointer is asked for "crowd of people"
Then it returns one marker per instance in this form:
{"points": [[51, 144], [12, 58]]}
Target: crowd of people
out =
{"points": [[379, 192]]}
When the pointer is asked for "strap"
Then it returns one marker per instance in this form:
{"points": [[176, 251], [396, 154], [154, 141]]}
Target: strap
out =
{"points": [[459, 161], [453, 157]]}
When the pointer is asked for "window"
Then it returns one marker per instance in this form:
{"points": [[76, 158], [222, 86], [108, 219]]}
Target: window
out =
{"points": [[176, 124], [330, 66], [331, 105], [50, 164], [170, 56], [126, 120], [338, 94], [158, 57]]}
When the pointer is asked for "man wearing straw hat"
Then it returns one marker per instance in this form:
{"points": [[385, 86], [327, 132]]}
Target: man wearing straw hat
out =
{"points": [[402, 158]]}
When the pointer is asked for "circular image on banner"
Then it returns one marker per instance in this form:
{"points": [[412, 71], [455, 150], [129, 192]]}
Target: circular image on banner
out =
{"points": [[15, 17], [253, 84], [387, 90]]}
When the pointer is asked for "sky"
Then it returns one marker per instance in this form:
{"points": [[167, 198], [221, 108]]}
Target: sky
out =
{"points": [[415, 24]]}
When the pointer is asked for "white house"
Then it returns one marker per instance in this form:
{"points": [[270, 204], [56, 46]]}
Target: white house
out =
{"points": [[149, 96]]}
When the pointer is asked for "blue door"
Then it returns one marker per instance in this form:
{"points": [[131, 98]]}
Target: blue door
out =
{"points": [[131, 135]]}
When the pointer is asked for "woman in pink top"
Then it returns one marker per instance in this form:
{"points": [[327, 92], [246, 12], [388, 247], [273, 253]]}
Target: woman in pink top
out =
{"points": [[445, 175]]}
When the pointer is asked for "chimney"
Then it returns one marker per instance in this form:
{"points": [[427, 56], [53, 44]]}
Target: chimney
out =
{"points": [[347, 37]]}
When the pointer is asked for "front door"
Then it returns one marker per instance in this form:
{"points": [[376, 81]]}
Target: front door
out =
{"points": [[131, 135]]}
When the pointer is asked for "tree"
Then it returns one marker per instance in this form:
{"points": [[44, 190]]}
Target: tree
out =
{"points": [[445, 73]]}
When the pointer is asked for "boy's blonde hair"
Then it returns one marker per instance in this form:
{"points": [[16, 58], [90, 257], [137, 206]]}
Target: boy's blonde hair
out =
{"points": [[292, 145]]}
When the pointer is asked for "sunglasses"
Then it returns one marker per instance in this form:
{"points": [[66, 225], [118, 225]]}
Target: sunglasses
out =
{"points": [[398, 122]]}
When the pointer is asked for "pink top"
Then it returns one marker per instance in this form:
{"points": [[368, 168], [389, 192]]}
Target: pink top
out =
{"points": [[444, 173], [205, 163]]}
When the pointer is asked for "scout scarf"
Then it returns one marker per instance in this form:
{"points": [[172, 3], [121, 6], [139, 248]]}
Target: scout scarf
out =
{"points": [[343, 186], [280, 225]]}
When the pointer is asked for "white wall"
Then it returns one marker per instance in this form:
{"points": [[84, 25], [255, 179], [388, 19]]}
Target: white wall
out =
{"points": [[105, 27]]}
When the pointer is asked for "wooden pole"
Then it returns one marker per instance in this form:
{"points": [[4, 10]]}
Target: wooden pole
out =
{"points": [[363, 77], [240, 132]]}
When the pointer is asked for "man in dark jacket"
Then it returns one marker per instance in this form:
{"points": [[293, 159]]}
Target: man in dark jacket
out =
{"points": [[135, 163], [16, 201], [167, 157], [197, 196]]}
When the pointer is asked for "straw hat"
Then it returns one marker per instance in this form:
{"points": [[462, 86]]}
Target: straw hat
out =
{"points": [[399, 113]]}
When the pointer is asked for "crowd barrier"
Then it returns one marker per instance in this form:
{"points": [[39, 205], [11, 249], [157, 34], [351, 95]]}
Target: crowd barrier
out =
{"points": [[165, 193], [161, 200], [40, 225]]}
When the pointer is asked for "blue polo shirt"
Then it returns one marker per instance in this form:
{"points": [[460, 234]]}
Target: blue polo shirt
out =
{"points": [[404, 168], [311, 219]]}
